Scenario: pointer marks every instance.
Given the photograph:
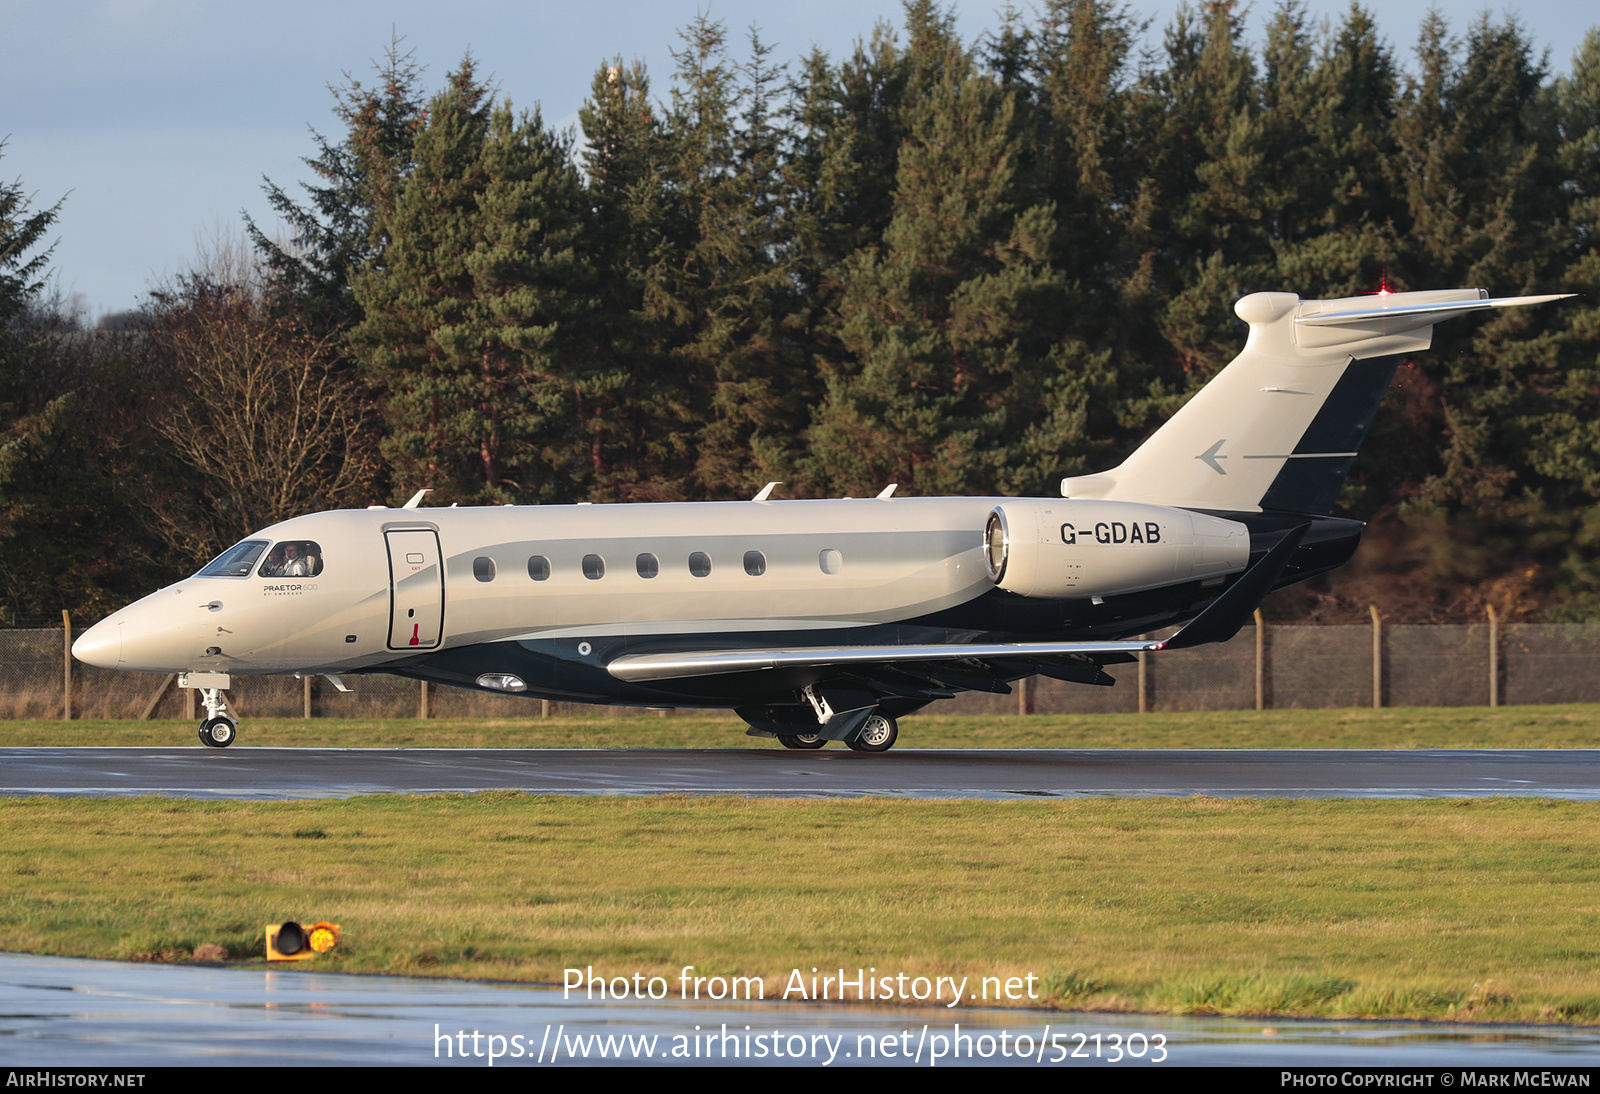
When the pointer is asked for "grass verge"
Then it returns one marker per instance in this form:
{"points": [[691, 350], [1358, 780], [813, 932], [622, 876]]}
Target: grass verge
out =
{"points": [[1459, 909], [1570, 726]]}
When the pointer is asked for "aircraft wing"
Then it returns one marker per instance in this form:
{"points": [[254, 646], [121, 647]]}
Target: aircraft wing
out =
{"points": [[1220, 621], [666, 666]]}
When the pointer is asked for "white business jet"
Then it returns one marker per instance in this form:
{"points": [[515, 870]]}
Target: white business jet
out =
{"points": [[821, 621]]}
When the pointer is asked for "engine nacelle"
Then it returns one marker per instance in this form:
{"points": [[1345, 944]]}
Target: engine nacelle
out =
{"points": [[1071, 548]]}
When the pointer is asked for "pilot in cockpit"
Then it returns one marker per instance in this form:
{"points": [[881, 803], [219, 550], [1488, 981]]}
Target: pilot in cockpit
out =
{"points": [[291, 560]]}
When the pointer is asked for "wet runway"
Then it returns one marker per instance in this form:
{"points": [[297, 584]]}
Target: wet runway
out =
{"points": [[287, 773], [61, 1012]]}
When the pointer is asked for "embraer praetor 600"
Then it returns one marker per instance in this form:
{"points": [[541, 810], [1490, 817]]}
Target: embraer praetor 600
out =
{"points": [[822, 621]]}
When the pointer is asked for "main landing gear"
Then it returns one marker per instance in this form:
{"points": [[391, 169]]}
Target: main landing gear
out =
{"points": [[853, 716], [877, 735], [801, 740]]}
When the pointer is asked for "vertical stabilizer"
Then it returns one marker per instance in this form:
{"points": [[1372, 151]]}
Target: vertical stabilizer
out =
{"points": [[1280, 426]]}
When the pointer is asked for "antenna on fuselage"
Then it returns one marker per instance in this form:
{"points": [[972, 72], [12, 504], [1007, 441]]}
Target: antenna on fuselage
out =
{"points": [[766, 491], [416, 499], [887, 492]]}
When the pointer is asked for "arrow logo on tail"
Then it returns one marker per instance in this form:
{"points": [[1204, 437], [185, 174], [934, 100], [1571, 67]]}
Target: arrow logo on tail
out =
{"points": [[1210, 457]]}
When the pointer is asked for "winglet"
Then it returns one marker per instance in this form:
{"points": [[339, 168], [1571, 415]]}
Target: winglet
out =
{"points": [[1225, 615]]}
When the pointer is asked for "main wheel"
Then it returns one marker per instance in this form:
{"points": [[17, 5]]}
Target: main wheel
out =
{"points": [[878, 735], [801, 740], [218, 732]]}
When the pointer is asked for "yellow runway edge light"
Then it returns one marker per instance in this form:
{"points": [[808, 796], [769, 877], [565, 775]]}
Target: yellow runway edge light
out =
{"points": [[289, 941]]}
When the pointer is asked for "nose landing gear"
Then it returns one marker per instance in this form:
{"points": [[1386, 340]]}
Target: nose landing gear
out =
{"points": [[218, 732], [219, 729]]}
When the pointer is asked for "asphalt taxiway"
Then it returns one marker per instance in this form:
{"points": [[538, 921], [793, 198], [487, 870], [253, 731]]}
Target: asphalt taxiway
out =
{"points": [[291, 773]]}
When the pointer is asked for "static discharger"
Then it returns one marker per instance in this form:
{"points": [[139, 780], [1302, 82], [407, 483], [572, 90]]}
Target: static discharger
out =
{"points": [[290, 941]]}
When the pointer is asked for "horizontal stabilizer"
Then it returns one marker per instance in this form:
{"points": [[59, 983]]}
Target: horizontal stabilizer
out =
{"points": [[1410, 316]]}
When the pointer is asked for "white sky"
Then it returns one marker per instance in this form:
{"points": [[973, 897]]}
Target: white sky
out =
{"points": [[161, 116]]}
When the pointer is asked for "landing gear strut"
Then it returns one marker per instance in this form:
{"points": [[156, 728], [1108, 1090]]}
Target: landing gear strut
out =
{"points": [[219, 728]]}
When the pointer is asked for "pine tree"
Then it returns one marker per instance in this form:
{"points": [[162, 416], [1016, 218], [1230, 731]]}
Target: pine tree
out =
{"points": [[336, 230], [468, 311], [1089, 169], [1209, 170], [1331, 126], [743, 339], [944, 367], [21, 276], [625, 398]]}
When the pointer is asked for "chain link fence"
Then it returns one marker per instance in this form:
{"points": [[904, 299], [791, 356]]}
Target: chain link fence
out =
{"points": [[1272, 667]]}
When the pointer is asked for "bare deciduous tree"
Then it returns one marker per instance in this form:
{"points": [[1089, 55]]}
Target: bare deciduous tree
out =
{"points": [[259, 416]]}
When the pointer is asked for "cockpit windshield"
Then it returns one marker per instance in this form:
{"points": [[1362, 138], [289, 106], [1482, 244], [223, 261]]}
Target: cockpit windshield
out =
{"points": [[236, 561], [293, 558]]}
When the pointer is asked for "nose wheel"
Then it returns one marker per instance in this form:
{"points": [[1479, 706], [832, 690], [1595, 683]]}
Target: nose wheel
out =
{"points": [[218, 732]]}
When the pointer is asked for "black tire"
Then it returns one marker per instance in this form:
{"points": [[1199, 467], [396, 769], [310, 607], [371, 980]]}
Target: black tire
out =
{"points": [[878, 734], [218, 732], [801, 740]]}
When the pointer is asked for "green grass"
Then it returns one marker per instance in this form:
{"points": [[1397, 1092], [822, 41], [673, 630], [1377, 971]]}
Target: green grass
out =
{"points": [[1570, 726], [1417, 909]]}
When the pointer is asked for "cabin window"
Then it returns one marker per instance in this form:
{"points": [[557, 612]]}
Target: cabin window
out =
{"points": [[594, 567], [755, 563], [293, 558], [236, 561], [483, 568], [539, 568], [648, 565], [700, 564], [831, 561]]}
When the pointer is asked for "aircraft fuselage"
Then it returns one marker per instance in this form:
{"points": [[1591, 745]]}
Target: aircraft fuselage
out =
{"points": [[553, 594]]}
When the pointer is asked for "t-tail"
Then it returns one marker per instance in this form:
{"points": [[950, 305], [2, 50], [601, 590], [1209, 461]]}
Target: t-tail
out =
{"points": [[1279, 427]]}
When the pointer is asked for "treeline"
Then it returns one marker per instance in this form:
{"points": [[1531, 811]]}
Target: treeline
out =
{"points": [[961, 266]]}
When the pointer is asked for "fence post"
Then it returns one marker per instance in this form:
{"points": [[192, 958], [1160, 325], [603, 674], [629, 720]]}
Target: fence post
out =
{"points": [[149, 710], [422, 701], [66, 666], [305, 696], [1494, 656], [1377, 658], [189, 710], [544, 708], [1025, 695], [1261, 661], [1144, 683]]}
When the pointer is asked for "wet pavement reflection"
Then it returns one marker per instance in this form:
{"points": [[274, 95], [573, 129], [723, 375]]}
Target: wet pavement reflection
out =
{"points": [[78, 1013]]}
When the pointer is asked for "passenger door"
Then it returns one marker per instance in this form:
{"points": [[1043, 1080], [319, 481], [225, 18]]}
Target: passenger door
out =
{"points": [[416, 589]]}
